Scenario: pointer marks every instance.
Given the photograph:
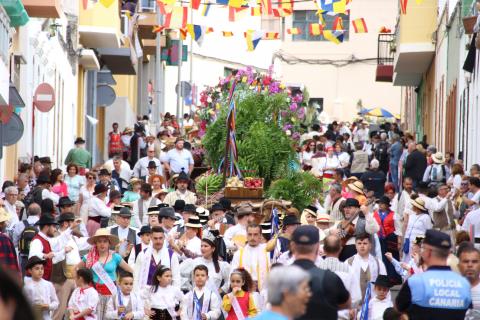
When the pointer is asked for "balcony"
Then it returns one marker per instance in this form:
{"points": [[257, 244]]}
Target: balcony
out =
{"points": [[100, 26], [150, 45], [385, 57], [43, 8], [415, 46], [146, 22]]}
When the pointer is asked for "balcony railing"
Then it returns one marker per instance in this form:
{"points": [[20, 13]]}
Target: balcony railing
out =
{"points": [[385, 57]]}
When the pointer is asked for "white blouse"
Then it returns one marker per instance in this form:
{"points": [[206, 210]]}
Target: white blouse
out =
{"points": [[84, 299], [164, 297], [214, 279], [41, 292]]}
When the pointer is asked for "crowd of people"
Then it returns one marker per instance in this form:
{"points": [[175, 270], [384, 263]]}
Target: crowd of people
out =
{"points": [[130, 239]]}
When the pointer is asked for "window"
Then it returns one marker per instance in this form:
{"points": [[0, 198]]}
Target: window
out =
{"points": [[302, 19], [4, 36], [271, 24]]}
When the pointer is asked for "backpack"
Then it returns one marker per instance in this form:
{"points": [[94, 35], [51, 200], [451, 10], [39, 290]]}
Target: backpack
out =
{"points": [[34, 196], [437, 176], [26, 238], [381, 152]]}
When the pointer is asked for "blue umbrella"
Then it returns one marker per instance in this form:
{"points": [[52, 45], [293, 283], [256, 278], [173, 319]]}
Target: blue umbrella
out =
{"points": [[380, 112]]}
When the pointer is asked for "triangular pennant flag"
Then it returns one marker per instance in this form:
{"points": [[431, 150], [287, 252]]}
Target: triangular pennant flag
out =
{"points": [[158, 29], [235, 14], [107, 3], [403, 6], [256, 11], [227, 34], [316, 29], [195, 4], [206, 8], [196, 32], [271, 36], [333, 36], [85, 4], [359, 25], [209, 30], [286, 4], [92, 120], [235, 3], [166, 2], [281, 12], [183, 33], [337, 23], [253, 38], [176, 19], [267, 6], [294, 31]]}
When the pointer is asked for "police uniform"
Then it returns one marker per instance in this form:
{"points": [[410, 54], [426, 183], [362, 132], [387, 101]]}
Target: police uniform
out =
{"points": [[437, 293]]}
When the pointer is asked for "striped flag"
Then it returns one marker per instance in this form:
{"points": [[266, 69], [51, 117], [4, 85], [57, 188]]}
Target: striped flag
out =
{"points": [[267, 6], [282, 12], [359, 25], [294, 31], [176, 19], [166, 2], [196, 32], [183, 33], [337, 23], [157, 29], [227, 34], [271, 36], [206, 8], [316, 29], [256, 11], [253, 38], [235, 3], [403, 6], [333, 36], [235, 14], [286, 4]]}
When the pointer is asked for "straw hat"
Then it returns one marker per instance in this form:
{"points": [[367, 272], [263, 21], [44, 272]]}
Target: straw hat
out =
{"points": [[419, 203], [4, 215], [193, 222], [103, 233], [438, 158], [324, 218], [356, 186]]}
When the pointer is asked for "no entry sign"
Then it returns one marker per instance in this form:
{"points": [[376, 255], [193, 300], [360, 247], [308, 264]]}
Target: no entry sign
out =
{"points": [[44, 98]]}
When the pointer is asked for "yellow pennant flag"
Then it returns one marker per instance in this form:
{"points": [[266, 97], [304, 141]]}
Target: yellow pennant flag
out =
{"points": [[167, 2], [107, 3], [235, 3]]}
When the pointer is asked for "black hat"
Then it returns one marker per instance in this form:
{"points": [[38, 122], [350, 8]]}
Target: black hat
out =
{"points": [[144, 229], [226, 203], [151, 165], [66, 216], [437, 239], [116, 209], [79, 140], [167, 212], [217, 207], [43, 178], [103, 172], [382, 281], [352, 202], [182, 176], [422, 185], [100, 188], [290, 220], [306, 235], [125, 212], [33, 261], [190, 208], [418, 239], [46, 220], [384, 200], [153, 210], [146, 188], [266, 227], [179, 205], [45, 160], [36, 159], [163, 205], [65, 202], [114, 194]]}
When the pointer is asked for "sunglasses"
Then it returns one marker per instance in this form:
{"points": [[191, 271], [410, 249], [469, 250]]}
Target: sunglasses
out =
{"points": [[91, 178]]}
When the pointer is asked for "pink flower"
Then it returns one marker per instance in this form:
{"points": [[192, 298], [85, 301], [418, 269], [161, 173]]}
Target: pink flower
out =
{"points": [[293, 107]]}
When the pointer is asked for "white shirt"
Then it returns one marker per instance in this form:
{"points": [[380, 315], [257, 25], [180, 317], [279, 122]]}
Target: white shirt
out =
{"points": [[193, 245], [141, 170], [326, 162], [162, 257], [215, 279], [123, 232], [57, 245], [136, 303], [132, 257], [433, 205], [377, 307], [344, 159], [46, 194], [361, 135], [472, 219], [136, 211], [179, 159], [231, 232], [255, 260], [11, 209], [97, 207], [215, 304], [88, 299], [41, 292], [164, 297], [418, 224], [476, 198]]}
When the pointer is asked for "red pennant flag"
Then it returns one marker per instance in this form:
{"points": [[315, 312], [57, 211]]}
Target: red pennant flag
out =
{"points": [[195, 4], [267, 6], [403, 6]]}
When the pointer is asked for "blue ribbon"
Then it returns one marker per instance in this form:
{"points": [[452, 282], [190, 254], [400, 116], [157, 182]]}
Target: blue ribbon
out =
{"points": [[120, 302], [364, 312], [198, 308]]}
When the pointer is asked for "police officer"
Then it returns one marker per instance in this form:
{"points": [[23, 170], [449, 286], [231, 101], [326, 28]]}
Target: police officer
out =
{"points": [[328, 291], [437, 293]]}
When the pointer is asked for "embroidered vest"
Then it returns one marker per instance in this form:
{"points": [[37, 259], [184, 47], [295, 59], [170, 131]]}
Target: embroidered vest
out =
{"points": [[47, 274], [115, 145]]}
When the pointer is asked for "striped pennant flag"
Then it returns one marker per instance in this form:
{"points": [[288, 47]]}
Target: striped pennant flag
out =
{"points": [[235, 14], [176, 19], [333, 36], [166, 2], [403, 6], [227, 34], [196, 32], [337, 23], [253, 38], [256, 11], [316, 29], [195, 4], [157, 29], [282, 12], [271, 36], [359, 25], [183, 33], [267, 6], [206, 8], [294, 31]]}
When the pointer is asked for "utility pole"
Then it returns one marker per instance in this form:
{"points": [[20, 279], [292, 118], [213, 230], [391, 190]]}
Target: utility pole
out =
{"points": [[179, 91], [158, 107]]}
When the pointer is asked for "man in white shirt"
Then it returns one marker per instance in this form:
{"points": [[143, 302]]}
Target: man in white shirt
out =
{"points": [[11, 196], [150, 258], [474, 187], [140, 207], [122, 230], [236, 236], [361, 135], [179, 159], [141, 167], [33, 215], [181, 192], [432, 205]]}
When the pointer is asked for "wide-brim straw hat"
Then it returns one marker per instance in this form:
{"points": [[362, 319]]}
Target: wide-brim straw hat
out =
{"points": [[324, 218], [356, 186], [193, 222], [418, 203], [103, 233], [438, 158]]}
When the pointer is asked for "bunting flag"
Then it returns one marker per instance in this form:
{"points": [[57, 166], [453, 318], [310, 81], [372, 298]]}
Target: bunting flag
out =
{"points": [[183, 33], [332, 6], [206, 8], [321, 18], [316, 29], [252, 38], [294, 31], [85, 4], [158, 29], [166, 2], [267, 6], [106, 3], [176, 19], [235, 14], [195, 4], [256, 11], [333, 36], [337, 23], [227, 34], [359, 25], [196, 32], [93, 121], [403, 6], [286, 4], [235, 3], [164, 9], [272, 36], [209, 30], [282, 12]]}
